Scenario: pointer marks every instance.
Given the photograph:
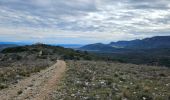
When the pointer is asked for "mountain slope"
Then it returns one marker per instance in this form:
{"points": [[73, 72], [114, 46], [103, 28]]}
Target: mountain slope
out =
{"points": [[150, 51], [97, 47], [42, 51], [3, 46], [148, 43]]}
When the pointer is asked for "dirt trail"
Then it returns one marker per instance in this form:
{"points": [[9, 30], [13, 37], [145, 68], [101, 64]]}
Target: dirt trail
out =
{"points": [[39, 86]]}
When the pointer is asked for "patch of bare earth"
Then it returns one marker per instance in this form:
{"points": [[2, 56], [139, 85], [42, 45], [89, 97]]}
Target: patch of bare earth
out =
{"points": [[39, 86]]}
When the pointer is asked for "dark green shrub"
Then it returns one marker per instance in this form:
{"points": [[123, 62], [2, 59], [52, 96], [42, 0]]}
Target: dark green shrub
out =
{"points": [[19, 92], [3, 86]]}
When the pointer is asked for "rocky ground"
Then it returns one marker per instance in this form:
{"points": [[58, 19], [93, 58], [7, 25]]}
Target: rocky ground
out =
{"points": [[92, 80], [95, 80], [39, 86]]}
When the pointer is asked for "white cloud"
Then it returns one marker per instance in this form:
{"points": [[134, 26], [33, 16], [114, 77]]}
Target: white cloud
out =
{"points": [[92, 20]]}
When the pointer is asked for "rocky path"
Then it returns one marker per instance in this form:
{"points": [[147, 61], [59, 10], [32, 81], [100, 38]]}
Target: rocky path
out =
{"points": [[39, 86]]}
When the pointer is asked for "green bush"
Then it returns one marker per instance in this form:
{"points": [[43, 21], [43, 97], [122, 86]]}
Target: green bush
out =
{"points": [[3, 86]]}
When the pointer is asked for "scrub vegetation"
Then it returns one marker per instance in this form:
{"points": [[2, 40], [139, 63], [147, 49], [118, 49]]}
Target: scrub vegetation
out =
{"points": [[96, 80]]}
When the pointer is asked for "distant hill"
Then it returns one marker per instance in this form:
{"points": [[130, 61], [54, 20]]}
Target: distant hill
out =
{"points": [[148, 43], [124, 44], [151, 51], [42, 51], [74, 46], [102, 48], [97, 47], [3, 46]]}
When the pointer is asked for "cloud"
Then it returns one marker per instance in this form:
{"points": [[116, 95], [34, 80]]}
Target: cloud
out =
{"points": [[86, 20]]}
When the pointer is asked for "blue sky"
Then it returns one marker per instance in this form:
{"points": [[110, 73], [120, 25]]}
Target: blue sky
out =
{"points": [[82, 21]]}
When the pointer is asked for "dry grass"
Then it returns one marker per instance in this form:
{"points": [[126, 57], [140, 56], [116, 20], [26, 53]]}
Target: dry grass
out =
{"points": [[20, 69], [89, 80]]}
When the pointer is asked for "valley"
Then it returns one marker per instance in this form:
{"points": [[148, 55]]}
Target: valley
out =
{"points": [[150, 51]]}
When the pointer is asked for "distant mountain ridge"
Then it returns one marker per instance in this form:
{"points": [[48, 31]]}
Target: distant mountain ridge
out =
{"points": [[3, 46], [96, 47], [147, 43], [150, 51]]}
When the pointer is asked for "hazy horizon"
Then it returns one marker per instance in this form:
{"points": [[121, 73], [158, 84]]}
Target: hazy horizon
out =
{"points": [[82, 21], [80, 44]]}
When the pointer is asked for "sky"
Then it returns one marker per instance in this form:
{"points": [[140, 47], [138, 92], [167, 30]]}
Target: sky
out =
{"points": [[82, 21]]}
